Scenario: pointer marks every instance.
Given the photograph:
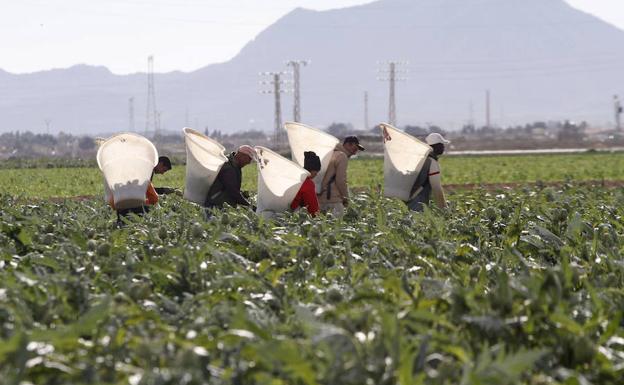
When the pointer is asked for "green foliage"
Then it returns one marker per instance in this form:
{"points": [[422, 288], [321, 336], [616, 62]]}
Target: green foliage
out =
{"points": [[515, 287]]}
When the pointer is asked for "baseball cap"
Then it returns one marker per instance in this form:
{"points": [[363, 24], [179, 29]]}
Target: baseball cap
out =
{"points": [[355, 140], [436, 138]]}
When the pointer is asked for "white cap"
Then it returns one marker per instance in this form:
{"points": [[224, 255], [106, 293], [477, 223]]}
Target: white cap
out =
{"points": [[436, 138]]}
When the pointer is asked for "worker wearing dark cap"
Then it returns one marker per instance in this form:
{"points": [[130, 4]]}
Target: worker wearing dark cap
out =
{"points": [[306, 197], [163, 165], [334, 196]]}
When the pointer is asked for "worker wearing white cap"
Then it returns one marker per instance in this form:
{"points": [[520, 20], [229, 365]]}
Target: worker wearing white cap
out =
{"points": [[428, 185], [227, 186]]}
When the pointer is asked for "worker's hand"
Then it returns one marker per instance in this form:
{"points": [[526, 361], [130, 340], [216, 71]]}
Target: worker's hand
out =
{"points": [[345, 202]]}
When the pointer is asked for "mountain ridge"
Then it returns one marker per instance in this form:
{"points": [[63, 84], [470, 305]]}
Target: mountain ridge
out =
{"points": [[540, 59]]}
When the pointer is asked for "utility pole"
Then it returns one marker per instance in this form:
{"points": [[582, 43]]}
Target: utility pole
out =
{"points": [[151, 119], [392, 71], [276, 82], [366, 126], [131, 114], [617, 106], [487, 109], [296, 65]]}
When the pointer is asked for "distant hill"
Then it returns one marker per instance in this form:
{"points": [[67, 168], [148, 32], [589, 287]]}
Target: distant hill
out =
{"points": [[541, 59]]}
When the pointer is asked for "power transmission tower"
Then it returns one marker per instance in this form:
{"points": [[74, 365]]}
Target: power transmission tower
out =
{"points": [[48, 122], [618, 112], [366, 110], [276, 82], [296, 65], [157, 132], [151, 119], [131, 114], [393, 70]]}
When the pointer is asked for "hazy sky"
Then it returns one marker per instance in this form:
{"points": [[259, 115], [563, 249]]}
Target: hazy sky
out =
{"points": [[181, 34]]}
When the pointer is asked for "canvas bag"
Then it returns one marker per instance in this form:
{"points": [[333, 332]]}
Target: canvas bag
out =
{"points": [[279, 181], [304, 138], [204, 159], [127, 161], [404, 157]]}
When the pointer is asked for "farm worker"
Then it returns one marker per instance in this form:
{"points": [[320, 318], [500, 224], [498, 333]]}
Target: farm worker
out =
{"points": [[429, 181], [227, 186], [334, 196], [151, 199], [306, 197], [164, 165]]}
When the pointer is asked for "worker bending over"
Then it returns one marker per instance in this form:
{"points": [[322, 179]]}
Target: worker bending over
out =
{"points": [[428, 184], [306, 197], [163, 165], [334, 196], [226, 188]]}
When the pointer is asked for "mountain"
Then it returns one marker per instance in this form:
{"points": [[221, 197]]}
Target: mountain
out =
{"points": [[540, 59]]}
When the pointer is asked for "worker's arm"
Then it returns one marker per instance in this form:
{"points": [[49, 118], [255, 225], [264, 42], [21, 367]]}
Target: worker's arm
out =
{"points": [[166, 190], [436, 185], [231, 188], [151, 195], [341, 176]]}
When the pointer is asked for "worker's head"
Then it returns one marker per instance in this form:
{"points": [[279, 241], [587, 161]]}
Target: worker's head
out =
{"points": [[163, 165], [312, 163], [244, 155], [437, 143], [352, 145]]}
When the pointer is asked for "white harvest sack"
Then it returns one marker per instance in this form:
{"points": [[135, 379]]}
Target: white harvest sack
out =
{"points": [[204, 159], [305, 138], [404, 157], [127, 161], [279, 180]]}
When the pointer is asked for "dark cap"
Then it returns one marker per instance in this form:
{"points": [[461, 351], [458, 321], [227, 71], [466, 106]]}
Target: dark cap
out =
{"points": [[165, 161], [355, 140], [311, 161]]}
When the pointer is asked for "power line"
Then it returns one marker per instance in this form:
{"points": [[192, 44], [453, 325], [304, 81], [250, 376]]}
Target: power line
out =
{"points": [[151, 119], [296, 65], [618, 112], [392, 78], [276, 82]]}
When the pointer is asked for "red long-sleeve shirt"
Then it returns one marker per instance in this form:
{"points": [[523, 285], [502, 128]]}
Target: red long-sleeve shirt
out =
{"points": [[306, 197]]}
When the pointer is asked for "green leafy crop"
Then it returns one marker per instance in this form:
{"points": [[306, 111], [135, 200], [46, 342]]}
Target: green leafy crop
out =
{"points": [[521, 286]]}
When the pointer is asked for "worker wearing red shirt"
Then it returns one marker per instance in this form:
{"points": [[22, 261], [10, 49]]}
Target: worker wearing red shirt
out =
{"points": [[306, 197]]}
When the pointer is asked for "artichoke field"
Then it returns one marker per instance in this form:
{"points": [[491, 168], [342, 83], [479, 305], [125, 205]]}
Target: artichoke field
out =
{"points": [[519, 286]]}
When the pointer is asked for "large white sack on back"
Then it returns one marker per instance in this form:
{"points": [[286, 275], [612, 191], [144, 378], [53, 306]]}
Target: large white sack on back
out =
{"points": [[279, 180], [304, 138], [127, 161], [404, 157], [204, 159]]}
